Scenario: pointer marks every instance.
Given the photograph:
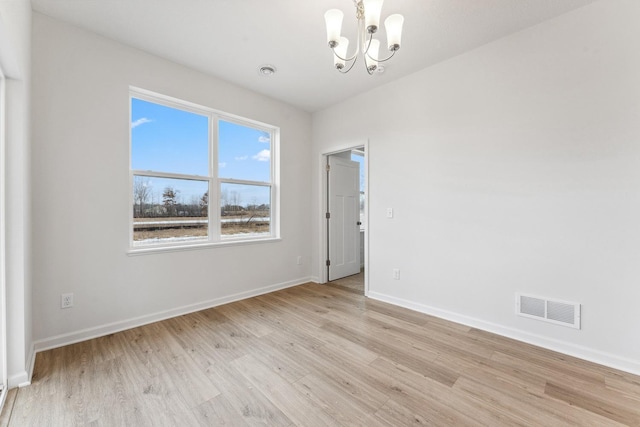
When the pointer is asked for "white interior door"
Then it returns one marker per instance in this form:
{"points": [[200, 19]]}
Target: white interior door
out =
{"points": [[344, 216]]}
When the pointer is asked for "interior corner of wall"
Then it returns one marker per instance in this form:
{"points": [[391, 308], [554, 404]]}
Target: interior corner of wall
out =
{"points": [[23, 378]]}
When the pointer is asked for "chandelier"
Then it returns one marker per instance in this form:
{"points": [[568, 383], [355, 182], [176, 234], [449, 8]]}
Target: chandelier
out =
{"points": [[368, 16]]}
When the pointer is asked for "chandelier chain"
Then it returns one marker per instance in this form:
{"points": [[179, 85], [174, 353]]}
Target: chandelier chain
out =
{"points": [[359, 9]]}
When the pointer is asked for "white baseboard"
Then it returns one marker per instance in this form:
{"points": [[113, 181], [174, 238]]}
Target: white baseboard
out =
{"points": [[589, 354], [21, 379], [110, 328]]}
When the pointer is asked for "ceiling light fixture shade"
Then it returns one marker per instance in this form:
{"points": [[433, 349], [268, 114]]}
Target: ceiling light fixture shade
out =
{"points": [[393, 26], [333, 19], [368, 17], [371, 58], [341, 52], [372, 8]]}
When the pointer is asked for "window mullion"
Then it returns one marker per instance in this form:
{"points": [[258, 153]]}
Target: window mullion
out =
{"points": [[244, 182], [214, 186], [169, 175]]}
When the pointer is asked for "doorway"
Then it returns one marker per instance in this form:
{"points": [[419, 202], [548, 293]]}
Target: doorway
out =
{"points": [[345, 231]]}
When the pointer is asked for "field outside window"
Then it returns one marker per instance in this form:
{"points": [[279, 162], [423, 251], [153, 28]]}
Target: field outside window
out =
{"points": [[197, 175]]}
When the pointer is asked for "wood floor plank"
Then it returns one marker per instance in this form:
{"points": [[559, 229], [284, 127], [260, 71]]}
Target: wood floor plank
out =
{"points": [[519, 406], [512, 375], [337, 402], [413, 393], [414, 357], [404, 414], [185, 374], [241, 316], [630, 387], [599, 401], [5, 415], [278, 320], [297, 311], [298, 407], [315, 318], [448, 343], [218, 411], [414, 317], [254, 407], [562, 364], [317, 355], [224, 342], [543, 370], [213, 356], [346, 375]]}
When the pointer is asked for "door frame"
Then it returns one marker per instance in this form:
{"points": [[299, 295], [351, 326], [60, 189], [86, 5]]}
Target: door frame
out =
{"points": [[323, 209]]}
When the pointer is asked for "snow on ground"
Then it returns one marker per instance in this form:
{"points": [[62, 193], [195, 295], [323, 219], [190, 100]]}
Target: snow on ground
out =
{"points": [[204, 221], [196, 239]]}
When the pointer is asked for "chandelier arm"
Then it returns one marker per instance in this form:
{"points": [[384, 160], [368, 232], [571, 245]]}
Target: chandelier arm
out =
{"points": [[350, 67], [366, 51], [385, 59], [345, 59]]}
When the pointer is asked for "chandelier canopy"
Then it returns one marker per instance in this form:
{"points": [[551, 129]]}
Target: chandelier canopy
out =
{"points": [[368, 16]]}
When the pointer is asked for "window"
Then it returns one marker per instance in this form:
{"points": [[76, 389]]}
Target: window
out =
{"points": [[199, 176]]}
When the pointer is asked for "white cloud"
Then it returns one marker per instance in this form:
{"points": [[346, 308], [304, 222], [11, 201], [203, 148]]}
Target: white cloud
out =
{"points": [[222, 164], [140, 122], [264, 139], [262, 156], [242, 158]]}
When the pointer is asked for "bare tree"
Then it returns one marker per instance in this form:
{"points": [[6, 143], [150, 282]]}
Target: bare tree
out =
{"points": [[170, 200], [224, 199], [236, 200], [204, 204], [141, 192]]}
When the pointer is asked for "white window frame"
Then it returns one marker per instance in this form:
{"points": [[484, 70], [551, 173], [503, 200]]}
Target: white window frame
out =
{"points": [[215, 238], [3, 253]]}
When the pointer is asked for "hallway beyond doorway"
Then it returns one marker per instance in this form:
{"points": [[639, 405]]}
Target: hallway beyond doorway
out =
{"points": [[354, 284]]}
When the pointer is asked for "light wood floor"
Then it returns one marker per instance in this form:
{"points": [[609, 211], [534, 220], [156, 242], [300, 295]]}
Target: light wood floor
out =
{"points": [[353, 283], [317, 355]]}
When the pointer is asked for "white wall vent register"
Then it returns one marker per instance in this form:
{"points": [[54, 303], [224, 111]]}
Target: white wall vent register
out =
{"points": [[553, 311]]}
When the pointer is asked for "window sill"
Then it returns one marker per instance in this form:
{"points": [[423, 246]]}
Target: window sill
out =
{"points": [[148, 250]]}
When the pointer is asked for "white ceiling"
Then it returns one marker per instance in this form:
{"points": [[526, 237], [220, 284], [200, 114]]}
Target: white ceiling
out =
{"points": [[230, 39]]}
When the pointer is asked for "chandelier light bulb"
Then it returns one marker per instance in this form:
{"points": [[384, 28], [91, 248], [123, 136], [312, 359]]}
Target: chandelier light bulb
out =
{"points": [[372, 9], [340, 53], [333, 19], [393, 25], [371, 56]]}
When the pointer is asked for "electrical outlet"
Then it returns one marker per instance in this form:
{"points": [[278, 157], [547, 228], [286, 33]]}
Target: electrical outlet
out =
{"points": [[299, 260], [66, 300], [389, 212], [396, 274]]}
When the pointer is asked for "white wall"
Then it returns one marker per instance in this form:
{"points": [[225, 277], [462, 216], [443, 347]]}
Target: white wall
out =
{"points": [[16, 15], [81, 203], [511, 168]]}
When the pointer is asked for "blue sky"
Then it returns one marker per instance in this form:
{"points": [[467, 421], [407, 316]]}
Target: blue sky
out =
{"points": [[165, 139]]}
